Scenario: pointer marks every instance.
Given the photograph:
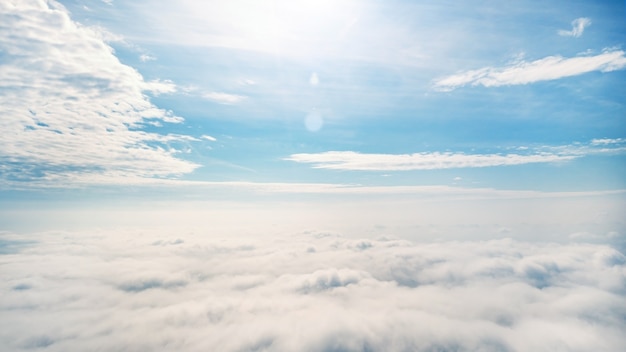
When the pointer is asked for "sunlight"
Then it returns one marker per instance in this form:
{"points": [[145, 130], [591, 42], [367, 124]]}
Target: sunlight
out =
{"points": [[278, 26]]}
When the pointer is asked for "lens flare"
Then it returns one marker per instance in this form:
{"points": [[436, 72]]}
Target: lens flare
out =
{"points": [[314, 121]]}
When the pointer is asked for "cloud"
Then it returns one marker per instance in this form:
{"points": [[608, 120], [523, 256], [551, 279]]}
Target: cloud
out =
{"points": [[349, 160], [158, 87], [608, 141], [115, 289], [70, 109], [418, 161], [209, 138], [223, 98], [146, 58], [578, 27], [523, 72]]}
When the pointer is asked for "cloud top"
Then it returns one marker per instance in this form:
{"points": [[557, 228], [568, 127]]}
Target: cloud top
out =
{"points": [[335, 294]]}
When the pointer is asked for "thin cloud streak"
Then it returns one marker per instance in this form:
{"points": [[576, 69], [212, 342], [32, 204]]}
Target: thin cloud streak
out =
{"points": [[350, 160], [418, 161], [223, 98], [523, 72]]}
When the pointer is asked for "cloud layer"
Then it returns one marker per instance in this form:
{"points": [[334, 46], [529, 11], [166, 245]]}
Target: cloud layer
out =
{"points": [[71, 112], [314, 291], [524, 72], [349, 160]]}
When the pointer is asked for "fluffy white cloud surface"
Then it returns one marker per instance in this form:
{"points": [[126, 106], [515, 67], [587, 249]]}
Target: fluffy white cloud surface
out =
{"points": [[316, 291]]}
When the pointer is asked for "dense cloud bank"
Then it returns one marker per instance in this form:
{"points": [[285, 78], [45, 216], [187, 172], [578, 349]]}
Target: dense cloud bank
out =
{"points": [[137, 291]]}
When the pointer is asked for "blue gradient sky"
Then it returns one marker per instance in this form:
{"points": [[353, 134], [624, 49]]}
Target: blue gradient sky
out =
{"points": [[110, 95]]}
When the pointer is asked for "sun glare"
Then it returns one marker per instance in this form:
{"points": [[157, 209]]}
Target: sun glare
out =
{"points": [[278, 26]]}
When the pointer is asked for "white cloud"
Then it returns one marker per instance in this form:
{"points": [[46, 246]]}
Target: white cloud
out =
{"points": [[115, 289], [578, 27], [209, 138], [223, 98], [69, 108], [157, 87], [523, 72], [218, 97], [146, 58], [349, 160], [418, 161], [247, 82], [608, 141]]}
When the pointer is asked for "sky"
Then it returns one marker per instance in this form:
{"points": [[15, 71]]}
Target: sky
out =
{"points": [[261, 162]]}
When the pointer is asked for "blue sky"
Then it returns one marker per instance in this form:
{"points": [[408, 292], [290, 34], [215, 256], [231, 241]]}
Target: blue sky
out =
{"points": [[271, 92], [110, 95]]}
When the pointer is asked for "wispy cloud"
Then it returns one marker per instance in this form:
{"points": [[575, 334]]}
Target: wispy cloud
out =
{"points": [[350, 160], [578, 27], [69, 107], [523, 72], [608, 141], [223, 98], [146, 58], [157, 87], [215, 96]]}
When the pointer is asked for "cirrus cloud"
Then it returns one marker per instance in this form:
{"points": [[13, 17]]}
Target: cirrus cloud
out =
{"points": [[524, 72], [223, 98], [349, 160], [418, 161]]}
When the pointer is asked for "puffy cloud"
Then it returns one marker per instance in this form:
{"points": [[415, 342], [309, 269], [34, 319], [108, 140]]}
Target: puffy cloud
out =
{"points": [[312, 291], [523, 72], [578, 27], [72, 112]]}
